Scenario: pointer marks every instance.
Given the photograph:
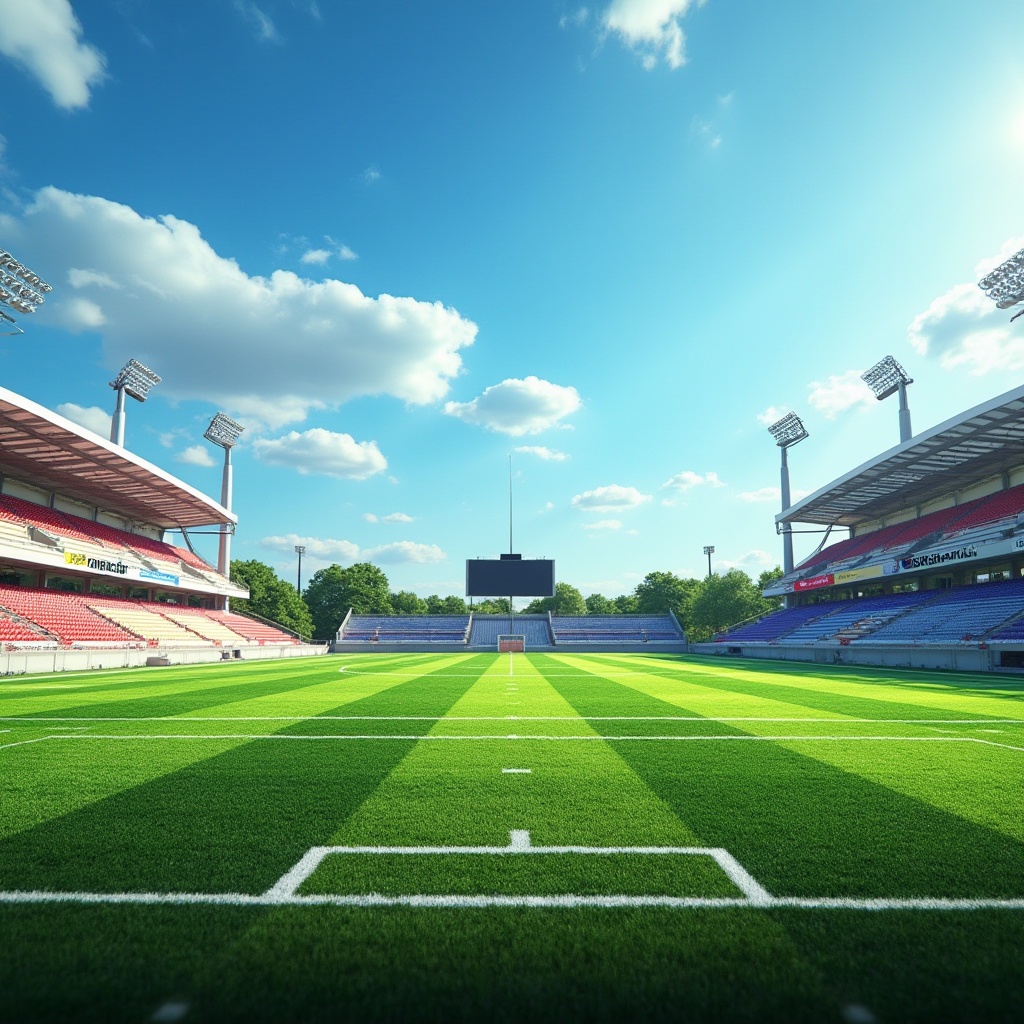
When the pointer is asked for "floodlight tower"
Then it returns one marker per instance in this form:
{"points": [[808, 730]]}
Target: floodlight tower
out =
{"points": [[300, 550], [133, 379], [885, 378], [787, 432], [20, 290], [1005, 285], [709, 550], [223, 431]]}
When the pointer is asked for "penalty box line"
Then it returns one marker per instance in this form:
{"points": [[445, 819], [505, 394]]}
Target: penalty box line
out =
{"points": [[287, 886]]}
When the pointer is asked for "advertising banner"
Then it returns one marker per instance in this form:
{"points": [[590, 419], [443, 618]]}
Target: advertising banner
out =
{"points": [[116, 567]]}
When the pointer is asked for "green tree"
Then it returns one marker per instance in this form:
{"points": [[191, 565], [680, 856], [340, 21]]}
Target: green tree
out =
{"points": [[451, 605], [766, 579], [723, 601], [405, 602], [493, 606], [270, 597], [598, 604], [332, 591], [660, 592], [625, 604], [566, 601]]}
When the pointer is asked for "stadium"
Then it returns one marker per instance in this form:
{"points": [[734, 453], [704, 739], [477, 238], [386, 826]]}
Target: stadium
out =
{"points": [[268, 838], [307, 309]]}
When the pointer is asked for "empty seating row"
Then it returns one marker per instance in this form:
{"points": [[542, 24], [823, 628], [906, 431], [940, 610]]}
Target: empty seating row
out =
{"points": [[72, 527], [614, 629], [486, 630], [72, 618], [406, 629]]}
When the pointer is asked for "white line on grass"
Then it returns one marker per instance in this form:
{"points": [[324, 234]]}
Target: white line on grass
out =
{"points": [[568, 902], [432, 737], [516, 771], [287, 886], [28, 720]]}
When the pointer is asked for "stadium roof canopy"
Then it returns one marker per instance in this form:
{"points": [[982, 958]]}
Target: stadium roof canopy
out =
{"points": [[981, 442], [47, 450]]}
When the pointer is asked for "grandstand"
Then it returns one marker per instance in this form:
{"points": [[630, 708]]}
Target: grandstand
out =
{"points": [[481, 632], [930, 572], [87, 576]]}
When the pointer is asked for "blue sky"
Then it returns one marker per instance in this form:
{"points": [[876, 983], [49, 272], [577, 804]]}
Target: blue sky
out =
{"points": [[402, 240]]}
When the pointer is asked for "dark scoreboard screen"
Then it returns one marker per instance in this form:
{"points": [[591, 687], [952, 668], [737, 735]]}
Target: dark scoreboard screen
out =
{"points": [[510, 577]]}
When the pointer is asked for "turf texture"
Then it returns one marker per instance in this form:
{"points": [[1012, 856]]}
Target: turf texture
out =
{"points": [[536, 837]]}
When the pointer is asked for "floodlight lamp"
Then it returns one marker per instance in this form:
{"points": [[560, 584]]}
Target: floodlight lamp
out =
{"points": [[223, 431], [1005, 285], [19, 287], [135, 380], [885, 377], [788, 431], [709, 549], [300, 549]]}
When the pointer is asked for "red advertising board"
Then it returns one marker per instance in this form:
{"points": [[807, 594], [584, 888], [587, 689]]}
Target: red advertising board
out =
{"points": [[824, 580]]}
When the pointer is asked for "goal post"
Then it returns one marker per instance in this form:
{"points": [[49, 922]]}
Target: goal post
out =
{"points": [[511, 642]]}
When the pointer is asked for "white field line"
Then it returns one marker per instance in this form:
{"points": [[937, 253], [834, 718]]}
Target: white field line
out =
{"points": [[545, 739], [26, 720], [516, 771], [568, 902], [38, 739], [519, 845]]}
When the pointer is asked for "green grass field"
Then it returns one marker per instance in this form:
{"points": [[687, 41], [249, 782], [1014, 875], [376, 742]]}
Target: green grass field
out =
{"points": [[511, 837]]}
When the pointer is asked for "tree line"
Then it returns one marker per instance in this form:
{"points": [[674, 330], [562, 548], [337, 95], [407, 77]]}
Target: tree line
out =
{"points": [[703, 607]]}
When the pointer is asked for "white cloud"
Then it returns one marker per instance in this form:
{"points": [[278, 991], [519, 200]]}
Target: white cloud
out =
{"points": [[518, 407], [752, 563], [45, 38], [705, 133], [195, 455], [964, 329], [404, 551], [612, 498], [650, 27], [92, 418], [394, 517], [321, 256], [578, 17], [772, 414], [604, 524], [322, 451], [251, 341], [266, 30], [839, 393], [321, 548], [548, 454], [370, 176], [683, 481]]}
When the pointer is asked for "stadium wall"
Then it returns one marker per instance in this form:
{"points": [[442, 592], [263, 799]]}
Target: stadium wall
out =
{"points": [[16, 663], [976, 658]]}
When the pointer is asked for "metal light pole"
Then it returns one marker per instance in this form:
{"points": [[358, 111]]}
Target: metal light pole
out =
{"points": [[787, 432], [223, 431], [20, 290], [300, 550], [709, 550], [135, 380], [887, 378], [1005, 285]]}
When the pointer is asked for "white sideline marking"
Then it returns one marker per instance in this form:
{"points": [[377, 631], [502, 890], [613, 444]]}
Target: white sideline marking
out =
{"points": [[516, 771], [287, 886], [433, 737], [28, 720], [569, 902]]}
